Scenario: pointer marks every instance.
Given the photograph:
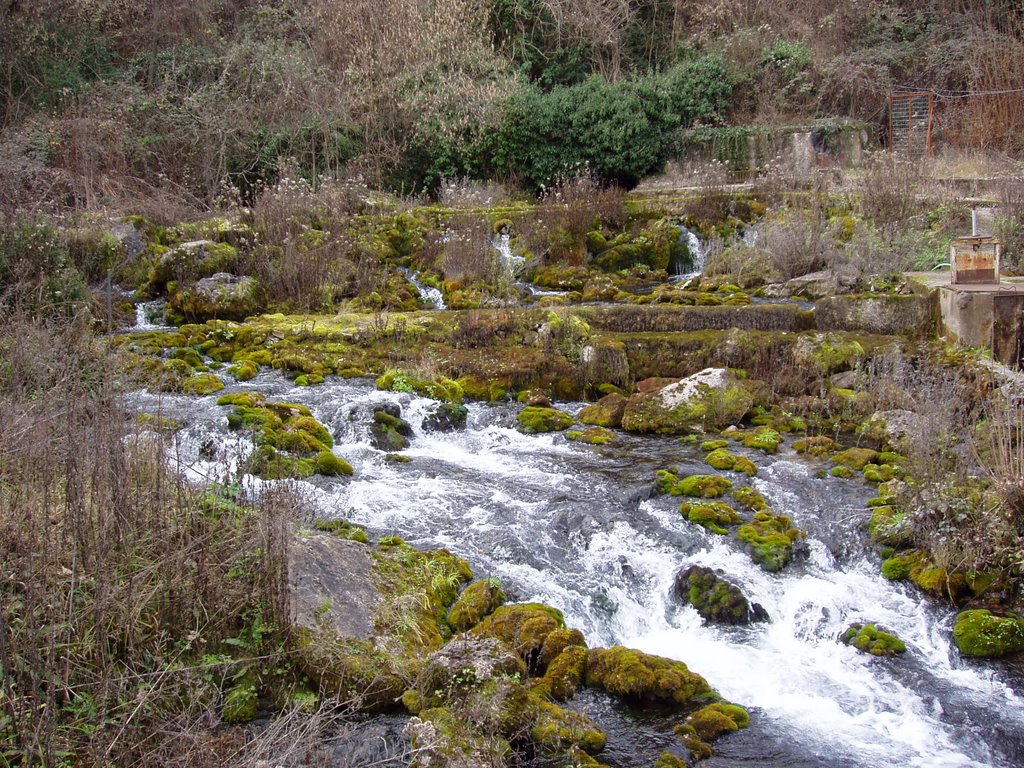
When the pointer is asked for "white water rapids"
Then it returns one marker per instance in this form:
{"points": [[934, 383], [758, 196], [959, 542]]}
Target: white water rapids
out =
{"points": [[575, 526]]}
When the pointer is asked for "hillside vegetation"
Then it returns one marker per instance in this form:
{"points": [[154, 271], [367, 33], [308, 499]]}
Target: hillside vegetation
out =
{"points": [[188, 104]]}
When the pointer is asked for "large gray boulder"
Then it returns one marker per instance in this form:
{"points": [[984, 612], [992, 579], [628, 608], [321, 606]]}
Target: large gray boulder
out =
{"points": [[710, 399], [220, 296]]}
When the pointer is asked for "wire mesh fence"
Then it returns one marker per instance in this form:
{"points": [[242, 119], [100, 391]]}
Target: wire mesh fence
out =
{"points": [[911, 121]]}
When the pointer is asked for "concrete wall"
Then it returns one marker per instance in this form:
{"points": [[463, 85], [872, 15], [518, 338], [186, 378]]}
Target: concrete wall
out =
{"points": [[986, 319]]}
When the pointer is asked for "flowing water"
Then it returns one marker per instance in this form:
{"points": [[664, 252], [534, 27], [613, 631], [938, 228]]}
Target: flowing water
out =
{"points": [[577, 527], [431, 297]]}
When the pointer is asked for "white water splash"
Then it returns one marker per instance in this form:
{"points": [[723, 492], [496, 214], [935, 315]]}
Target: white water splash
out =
{"points": [[431, 296], [510, 262]]}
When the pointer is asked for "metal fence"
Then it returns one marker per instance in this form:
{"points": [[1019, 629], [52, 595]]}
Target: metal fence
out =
{"points": [[911, 120]]}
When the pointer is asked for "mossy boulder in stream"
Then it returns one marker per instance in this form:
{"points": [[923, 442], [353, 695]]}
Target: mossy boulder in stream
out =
{"points": [[525, 627], [477, 600], [918, 567], [722, 458], [714, 598], [446, 417], [870, 639], [770, 540], [980, 633], [606, 412], [533, 420], [591, 436], [710, 399], [716, 516], [202, 384], [645, 679], [855, 458], [389, 432]]}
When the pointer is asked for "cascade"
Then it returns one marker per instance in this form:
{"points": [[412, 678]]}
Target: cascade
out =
{"points": [[577, 527]]}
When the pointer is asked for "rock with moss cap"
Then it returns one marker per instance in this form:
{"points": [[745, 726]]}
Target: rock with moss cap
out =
{"points": [[722, 458], [477, 600], [714, 598], [534, 420], [868, 638], [982, 634], [446, 417], [221, 296], [770, 539], [645, 679], [591, 436], [855, 458], [389, 432], [202, 384], [716, 516], [525, 627], [606, 412], [918, 567], [710, 399]]}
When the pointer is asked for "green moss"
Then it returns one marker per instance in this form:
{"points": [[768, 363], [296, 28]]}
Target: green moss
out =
{"points": [[606, 412], [241, 702], [855, 458], [558, 730], [714, 445], [704, 486], [842, 472], [869, 639], [886, 526], [591, 436], [668, 760], [770, 540], [879, 473], [476, 601], [343, 529], [917, 566], [244, 370], [534, 419], [645, 679], [439, 388], [764, 439], [326, 463], [189, 356], [751, 499], [202, 384], [524, 627], [721, 458], [716, 516], [980, 633], [566, 672], [717, 719]]}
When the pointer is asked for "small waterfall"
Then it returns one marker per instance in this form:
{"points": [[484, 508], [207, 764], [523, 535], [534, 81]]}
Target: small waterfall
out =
{"points": [[148, 311], [509, 261], [572, 525], [691, 261], [432, 297]]}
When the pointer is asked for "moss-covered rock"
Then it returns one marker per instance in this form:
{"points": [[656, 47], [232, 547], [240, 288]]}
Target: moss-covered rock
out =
{"points": [[716, 516], [713, 445], [591, 436], [220, 296], [202, 384], [710, 399], [606, 412], [566, 672], [855, 458], [329, 465], [446, 417], [714, 598], [558, 730], [389, 432], [717, 719], [870, 639], [438, 388], [244, 370], [241, 701], [770, 539], [980, 633], [816, 446], [764, 439], [343, 529], [918, 567], [722, 458], [644, 679], [476, 601], [750, 498], [704, 486], [524, 627], [533, 420]]}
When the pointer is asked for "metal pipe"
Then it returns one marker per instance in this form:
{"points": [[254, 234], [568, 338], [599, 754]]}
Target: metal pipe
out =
{"points": [[974, 221]]}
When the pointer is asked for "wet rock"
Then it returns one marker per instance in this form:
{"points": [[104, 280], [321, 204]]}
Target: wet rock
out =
{"points": [[715, 599], [446, 417], [812, 286], [476, 601], [329, 586], [606, 412], [533, 420], [221, 296], [389, 432], [710, 399]]}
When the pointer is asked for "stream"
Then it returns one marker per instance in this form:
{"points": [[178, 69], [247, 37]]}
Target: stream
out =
{"points": [[580, 528]]}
